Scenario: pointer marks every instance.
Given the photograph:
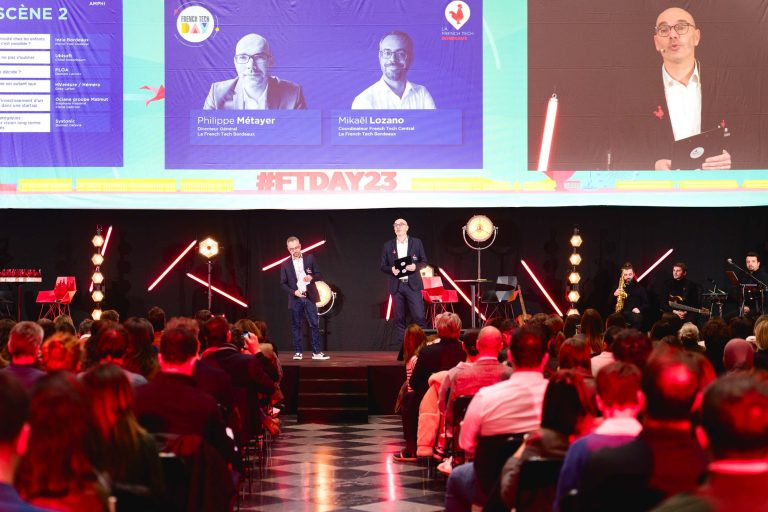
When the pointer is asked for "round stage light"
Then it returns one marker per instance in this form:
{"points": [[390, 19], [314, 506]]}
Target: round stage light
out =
{"points": [[97, 240], [479, 228], [208, 248], [574, 278], [572, 311], [325, 293], [574, 296], [97, 296], [97, 277], [97, 259], [575, 259], [96, 314]]}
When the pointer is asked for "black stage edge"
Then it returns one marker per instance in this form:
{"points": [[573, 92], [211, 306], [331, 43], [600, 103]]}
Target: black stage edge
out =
{"points": [[344, 389]]}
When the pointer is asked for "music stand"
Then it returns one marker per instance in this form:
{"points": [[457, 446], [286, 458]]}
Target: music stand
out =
{"points": [[474, 284], [743, 289]]}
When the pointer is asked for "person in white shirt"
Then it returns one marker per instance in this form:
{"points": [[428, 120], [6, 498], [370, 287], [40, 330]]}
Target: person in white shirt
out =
{"points": [[676, 37], [393, 91]]}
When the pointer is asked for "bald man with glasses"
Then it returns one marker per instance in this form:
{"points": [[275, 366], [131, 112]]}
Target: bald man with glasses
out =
{"points": [[404, 286], [254, 88], [687, 100]]}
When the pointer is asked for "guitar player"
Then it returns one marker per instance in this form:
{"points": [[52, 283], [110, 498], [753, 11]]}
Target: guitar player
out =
{"points": [[680, 290]]}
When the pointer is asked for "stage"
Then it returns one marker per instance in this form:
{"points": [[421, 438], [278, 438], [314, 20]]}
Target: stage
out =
{"points": [[346, 388]]}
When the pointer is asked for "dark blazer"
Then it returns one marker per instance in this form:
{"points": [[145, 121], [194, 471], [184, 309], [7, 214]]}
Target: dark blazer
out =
{"points": [[389, 255], [173, 404], [214, 381], [281, 95], [641, 131], [288, 278], [435, 358]]}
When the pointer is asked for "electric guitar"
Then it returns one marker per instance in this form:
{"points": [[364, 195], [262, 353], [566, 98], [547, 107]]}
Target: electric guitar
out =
{"points": [[683, 307]]}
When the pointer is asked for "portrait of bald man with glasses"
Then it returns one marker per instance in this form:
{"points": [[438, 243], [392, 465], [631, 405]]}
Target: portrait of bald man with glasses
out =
{"points": [[676, 37], [254, 88], [394, 91]]}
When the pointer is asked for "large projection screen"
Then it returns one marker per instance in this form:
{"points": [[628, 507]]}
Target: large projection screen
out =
{"points": [[251, 104]]}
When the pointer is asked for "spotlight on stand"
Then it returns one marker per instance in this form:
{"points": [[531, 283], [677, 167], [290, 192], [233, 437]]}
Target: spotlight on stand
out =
{"points": [[574, 278], [209, 248], [481, 233]]}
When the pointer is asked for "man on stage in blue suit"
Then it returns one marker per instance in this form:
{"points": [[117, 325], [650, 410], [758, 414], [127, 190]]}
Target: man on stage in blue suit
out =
{"points": [[405, 289], [297, 277], [254, 88]]}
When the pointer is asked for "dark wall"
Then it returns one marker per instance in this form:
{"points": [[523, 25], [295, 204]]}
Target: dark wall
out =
{"points": [[144, 242]]}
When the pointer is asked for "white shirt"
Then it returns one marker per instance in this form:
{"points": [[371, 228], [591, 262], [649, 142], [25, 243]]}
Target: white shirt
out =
{"points": [[402, 252], [512, 406], [298, 266], [380, 97], [259, 103], [604, 358], [683, 103]]}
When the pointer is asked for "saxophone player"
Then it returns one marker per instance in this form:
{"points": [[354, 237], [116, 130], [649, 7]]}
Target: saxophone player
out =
{"points": [[631, 299]]}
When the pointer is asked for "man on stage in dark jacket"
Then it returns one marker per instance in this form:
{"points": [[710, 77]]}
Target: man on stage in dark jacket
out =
{"points": [[297, 278], [404, 285], [680, 290], [635, 298]]}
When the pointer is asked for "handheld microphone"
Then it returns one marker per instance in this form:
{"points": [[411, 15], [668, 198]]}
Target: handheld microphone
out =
{"points": [[730, 260]]}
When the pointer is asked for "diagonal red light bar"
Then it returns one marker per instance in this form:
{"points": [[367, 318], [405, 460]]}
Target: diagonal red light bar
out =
{"points": [[184, 252], [463, 295], [655, 264], [536, 280], [103, 250], [389, 308], [220, 292], [276, 263], [106, 241]]}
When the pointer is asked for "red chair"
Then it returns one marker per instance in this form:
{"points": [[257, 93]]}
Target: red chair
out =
{"points": [[57, 300], [438, 299]]}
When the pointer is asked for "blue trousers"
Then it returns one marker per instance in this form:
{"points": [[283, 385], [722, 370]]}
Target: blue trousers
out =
{"points": [[305, 307], [415, 302]]}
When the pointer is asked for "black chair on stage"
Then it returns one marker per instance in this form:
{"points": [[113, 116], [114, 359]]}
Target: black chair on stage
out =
{"points": [[498, 302]]}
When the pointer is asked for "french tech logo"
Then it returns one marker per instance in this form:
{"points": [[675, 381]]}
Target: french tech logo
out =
{"points": [[195, 23], [457, 13]]}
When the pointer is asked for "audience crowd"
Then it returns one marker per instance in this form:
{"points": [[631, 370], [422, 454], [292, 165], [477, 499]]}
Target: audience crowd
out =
{"points": [[141, 415], [542, 413]]}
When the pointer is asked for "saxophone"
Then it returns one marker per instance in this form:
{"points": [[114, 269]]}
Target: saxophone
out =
{"points": [[622, 295]]}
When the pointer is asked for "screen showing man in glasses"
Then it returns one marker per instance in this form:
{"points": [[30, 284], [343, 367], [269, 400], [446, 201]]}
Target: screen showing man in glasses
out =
{"points": [[254, 88], [393, 90]]}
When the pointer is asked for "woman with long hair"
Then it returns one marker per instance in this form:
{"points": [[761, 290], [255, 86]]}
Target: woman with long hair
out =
{"points": [[592, 329], [129, 452], [57, 471], [141, 357]]}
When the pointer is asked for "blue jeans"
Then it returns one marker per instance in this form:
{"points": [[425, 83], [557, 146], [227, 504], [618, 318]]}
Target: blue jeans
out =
{"points": [[303, 306], [461, 488]]}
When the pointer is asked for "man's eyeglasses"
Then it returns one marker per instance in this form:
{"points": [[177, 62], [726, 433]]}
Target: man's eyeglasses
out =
{"points": [[399, 224], [681, 28], [244, 58], [398, 54]]}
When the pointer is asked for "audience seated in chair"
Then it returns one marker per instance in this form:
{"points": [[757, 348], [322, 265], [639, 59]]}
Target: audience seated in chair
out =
{"points": [[57, 471], [665, 458], [439, 356], [109, 343], [140, 356], [127, 453], [14, 431], [62, 351], [512, 406], [23, 346], [735, 428], [620, 400], [566, 415]]}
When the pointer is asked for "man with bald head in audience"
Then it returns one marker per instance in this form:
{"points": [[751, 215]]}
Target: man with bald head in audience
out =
{"points": [[484, 371]]}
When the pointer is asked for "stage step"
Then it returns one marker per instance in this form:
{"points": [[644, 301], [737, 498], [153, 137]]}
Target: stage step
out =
{"points": [[333, 394]]}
